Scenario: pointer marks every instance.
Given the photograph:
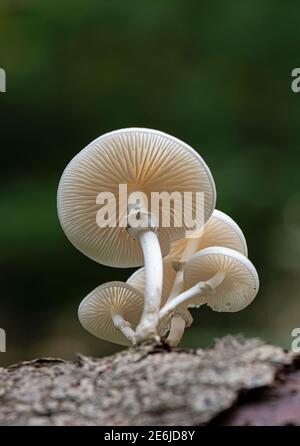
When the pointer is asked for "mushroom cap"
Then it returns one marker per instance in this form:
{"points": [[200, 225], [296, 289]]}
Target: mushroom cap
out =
{"points": [[137, 281], [145, 160], [239, 286], [219, 230], [95, 311]]}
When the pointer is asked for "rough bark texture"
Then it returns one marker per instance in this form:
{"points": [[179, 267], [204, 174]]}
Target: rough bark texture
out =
{"points": [[235, 382]]}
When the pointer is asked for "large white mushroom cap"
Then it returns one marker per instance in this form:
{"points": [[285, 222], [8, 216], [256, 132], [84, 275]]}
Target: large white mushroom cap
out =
{"points": [[239, 286], [96, 309], [145, 160], [219, 230]]}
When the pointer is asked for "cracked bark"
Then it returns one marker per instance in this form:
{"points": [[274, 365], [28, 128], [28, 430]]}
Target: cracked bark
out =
{"points": [[235, 382]]}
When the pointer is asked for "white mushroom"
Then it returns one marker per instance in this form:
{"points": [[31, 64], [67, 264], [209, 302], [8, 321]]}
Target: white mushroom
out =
{"points": [[220, 277], [220, 230], [144, 161], [111, 312]]}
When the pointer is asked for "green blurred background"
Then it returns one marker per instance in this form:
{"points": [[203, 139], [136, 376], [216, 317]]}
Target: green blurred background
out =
{"points": [[215, 74]]}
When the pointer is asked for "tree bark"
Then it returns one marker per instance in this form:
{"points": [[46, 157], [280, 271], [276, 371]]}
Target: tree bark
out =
{"points": [[235, 382]]}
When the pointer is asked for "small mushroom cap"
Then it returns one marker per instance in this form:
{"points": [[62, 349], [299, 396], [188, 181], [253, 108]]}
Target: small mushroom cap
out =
{"points": [[220, 230], [137, 281], [239, 286], [145, 160], [96, 309]]}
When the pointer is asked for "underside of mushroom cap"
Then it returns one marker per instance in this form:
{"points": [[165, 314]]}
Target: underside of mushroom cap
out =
{"points": [[96, 309], [145, 160], [219, 230], [137, 281], [239, 286]]}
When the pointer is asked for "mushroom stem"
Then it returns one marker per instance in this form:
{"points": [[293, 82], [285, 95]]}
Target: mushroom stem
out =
{"points": [[197, 290], [176, 331], [190, 249], [124, 326], [200, 289], [147, 328], [177, 285], [177, 324]]}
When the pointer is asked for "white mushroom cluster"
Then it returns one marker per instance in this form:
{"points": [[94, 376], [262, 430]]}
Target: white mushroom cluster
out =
{"points": [[180, 269]]}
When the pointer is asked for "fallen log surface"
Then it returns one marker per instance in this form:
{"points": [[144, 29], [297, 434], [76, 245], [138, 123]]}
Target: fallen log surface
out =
{"points": [[235, 382]]}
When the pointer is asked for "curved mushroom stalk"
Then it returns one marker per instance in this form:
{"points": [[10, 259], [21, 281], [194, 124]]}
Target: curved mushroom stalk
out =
{"points": [[180, 321], [177, 322], [177, 284], [178, 266], [176, 330], [145, 233], [197, 291], [147, 328], [124, 326], [137, 280]]}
